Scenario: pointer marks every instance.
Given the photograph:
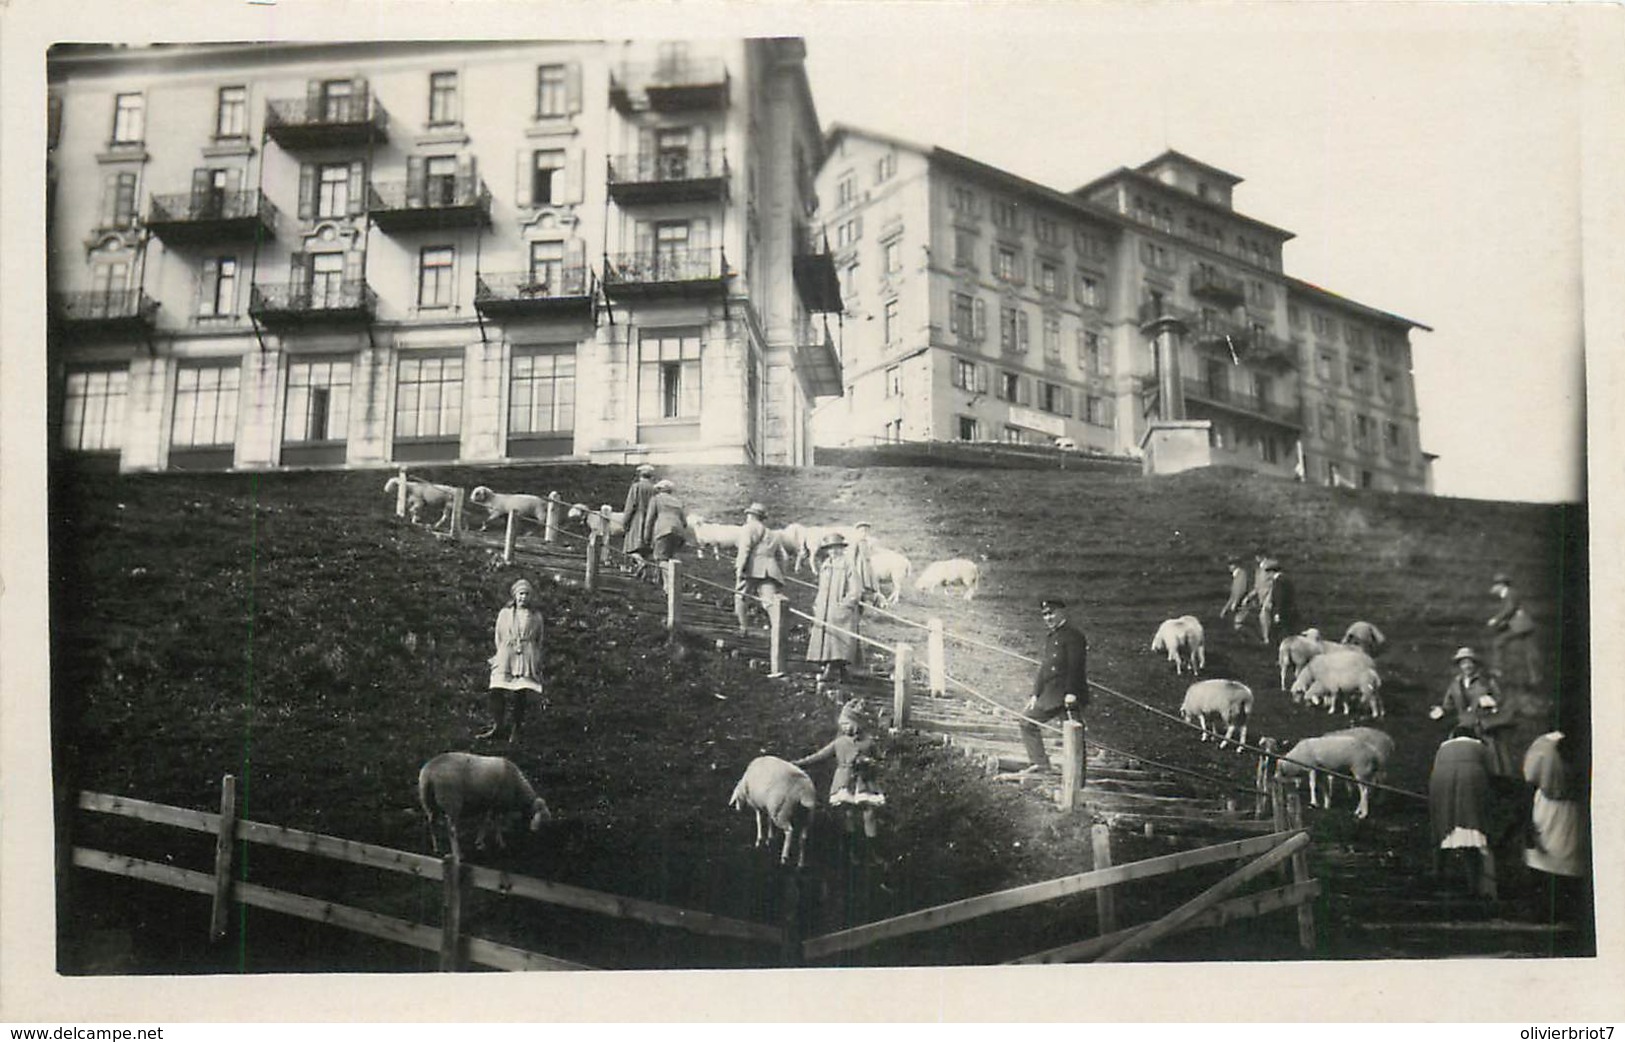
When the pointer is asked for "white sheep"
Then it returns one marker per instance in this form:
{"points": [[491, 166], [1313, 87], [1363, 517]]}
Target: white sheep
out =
{"points": [[452, 785], [422, 497], [1229, 700], [1378, 740], [889, 566], [1362, 755], [606, 521], [500, 505], [1338, 676], [1182, 640], [1295, 652], [956, 572], [1365, 636], [712, 535], [782, 795]]}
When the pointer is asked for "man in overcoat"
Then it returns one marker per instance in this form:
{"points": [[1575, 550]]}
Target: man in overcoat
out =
{"points": [[1514, 643], [639, 539], [1236, 606], [1061, 685], [668, 521], [756, 569]]}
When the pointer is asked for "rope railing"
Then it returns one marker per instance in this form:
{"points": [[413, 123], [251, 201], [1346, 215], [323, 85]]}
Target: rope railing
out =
{"points": [[842, 630]]}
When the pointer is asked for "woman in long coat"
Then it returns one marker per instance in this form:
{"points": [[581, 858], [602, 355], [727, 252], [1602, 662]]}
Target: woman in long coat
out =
{"points": [[516, 666], [1476, 700], [839, 593], [1459, 806]]}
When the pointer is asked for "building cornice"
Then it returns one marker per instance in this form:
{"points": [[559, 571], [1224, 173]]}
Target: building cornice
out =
{"points": [[1326, 296], [1218, 210]]}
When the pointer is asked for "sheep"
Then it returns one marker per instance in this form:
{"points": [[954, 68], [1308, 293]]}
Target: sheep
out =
{"points": [[500, 505], [707, 534], [1378, 740], [1296, 651], [1230, 700], [454, 784], [606, 520], [1363, 755], [1338, 676], [1181, 638], [423, 496], [943, 574], [1366, 637], [783, 795], [889, 566]]}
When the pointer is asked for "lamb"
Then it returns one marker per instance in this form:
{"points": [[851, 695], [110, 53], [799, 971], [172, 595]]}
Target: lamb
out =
{"points": [[943, 574], [1338, 676], [1296, 651], [454, 784], [422, 497], [1181, 638], [500, 505], [1363, 755], [1366, 637], [1230, 700], [783, 794], [889, 566]]}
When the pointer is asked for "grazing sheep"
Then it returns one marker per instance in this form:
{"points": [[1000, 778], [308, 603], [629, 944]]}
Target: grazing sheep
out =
{"points": [[422, 497], [1366, 637], [1338, 676], [943, 574], [1350, 752], [1378, 740], [500, 505], [889, 566], [1230, 700], [1296, 651], [783, 795], [454, 784], [707, 534], [1181, 638], [606, 520]]}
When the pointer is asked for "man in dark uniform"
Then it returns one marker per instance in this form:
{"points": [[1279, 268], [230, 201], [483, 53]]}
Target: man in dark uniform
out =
{"points": [[1514, 643], [1062, 683]]}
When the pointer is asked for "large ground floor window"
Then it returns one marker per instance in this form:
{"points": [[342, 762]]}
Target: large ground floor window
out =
{"points": [[429, 397], [93, 410], [318, 407], [669, 376], [205, 406], [542, 390]]}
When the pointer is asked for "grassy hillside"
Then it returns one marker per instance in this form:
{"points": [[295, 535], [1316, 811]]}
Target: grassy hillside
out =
{"points": [[287, 629]]}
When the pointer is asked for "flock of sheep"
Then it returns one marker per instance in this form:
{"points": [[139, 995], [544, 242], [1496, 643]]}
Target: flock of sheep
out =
{"points": [[1337, 675]]}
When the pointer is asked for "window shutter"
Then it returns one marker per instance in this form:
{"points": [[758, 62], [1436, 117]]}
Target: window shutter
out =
{"points": [[313, 99], [299, 270], [699, 233], [524, 170], [109, 201], [1021, 330], [125, 206], [363, 102], [572, 87], [414, 181], [643, 241], [699, 152], [575, 175], [205, 293], [575, 260], [358, 186], [468, 176], [201, 180], [1108, 412], [1105, 357], [646, 146], [979, 320], [981, 378], [307, 191], [234, 181], [355, 262]]}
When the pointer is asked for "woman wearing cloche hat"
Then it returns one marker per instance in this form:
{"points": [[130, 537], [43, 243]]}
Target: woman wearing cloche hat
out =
{"points": [[832, 640], [516, 667], [1476, 701]]}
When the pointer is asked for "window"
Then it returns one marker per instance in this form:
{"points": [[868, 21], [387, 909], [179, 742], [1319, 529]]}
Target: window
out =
{"points": [[964, 201], [1047, 231], [547, 177], [1390, 385], [1089, 245], [1006, 214], [1324, 326], [118, 208], [1049, 279], [848, 232], [671, 257], [231, 112], [1362, 430], [542, 390], [440, 181], [109, 282], [1294, 316], [1006, 264], [1097, 410], [846, 190], [552, 90], [1092, 352], [1325, 366], [429, 396], [219, 295], [93, 410], [1268, 449], [1012, 435], [443, 97], [669, 376], [1366, 479], [1391, 437], [1013, 329], [205, 406], [1053, 398], [1089, 291], [435, 283], [318, 400], [889, 328], [1329, 423], [672, 150], [891, 256], [964, 248], [885, 167], [326, 280], [849, 282], [894, 430], [969, 429], [1052, 338], [965, 375], [1155, 255], [967, 316], [129, 119], [1011, 388], [1262, 385], [894, 381], [333, 190], [547, 265], [338, 101], [1359, 375]]}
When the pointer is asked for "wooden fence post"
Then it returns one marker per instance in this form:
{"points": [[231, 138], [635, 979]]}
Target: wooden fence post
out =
{"points": [[902, 662], [400, 495], [775, 640], [1071, 764], [223, 841], [1300, 874], [507, 538], [451, 912], [591, 580], [1100, 836], [936, 658], [457, 515], [793, 930], [1278, 814], [673, 594], [550, 531]]}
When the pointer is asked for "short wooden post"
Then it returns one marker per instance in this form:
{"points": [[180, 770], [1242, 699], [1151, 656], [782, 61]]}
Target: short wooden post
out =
{"points": [[457, 515], [902, 662], [793, 929], [1071, 764], [550, 531], [673, 596], [400, 494], [1300, 874], [1262, 773], [1278, 790], [936, 658], [591, 581], [507, 538], [775, 640], [451, 913], [1100, 836], [223, 843]]}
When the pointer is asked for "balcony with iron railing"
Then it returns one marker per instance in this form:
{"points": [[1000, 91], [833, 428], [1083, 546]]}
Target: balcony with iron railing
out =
{"points": [[317, 122], [1215, 285], [112, 313], [199, 218], [313, 303], [1244, 402], [523, 294], [812, 266], [692, 85], [817, 359], [429, 204], [669, 177], [675, 272]]}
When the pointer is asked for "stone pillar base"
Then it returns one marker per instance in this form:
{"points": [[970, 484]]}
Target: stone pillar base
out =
{"points": [[1170, 446]]}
